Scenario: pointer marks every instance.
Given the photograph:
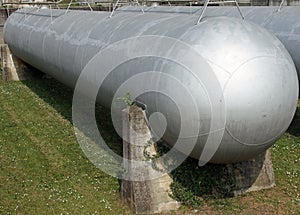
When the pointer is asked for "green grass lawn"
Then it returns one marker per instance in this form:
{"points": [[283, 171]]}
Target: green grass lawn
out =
{"points": [[44, 171], [42, 168]]}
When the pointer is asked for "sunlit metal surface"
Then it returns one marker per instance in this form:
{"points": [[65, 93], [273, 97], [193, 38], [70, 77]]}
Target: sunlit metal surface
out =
{"points": [[285, 24]]}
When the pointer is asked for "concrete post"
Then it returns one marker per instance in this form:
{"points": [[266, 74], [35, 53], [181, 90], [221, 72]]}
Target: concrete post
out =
{"points": [[13, 69], [150, 196]]}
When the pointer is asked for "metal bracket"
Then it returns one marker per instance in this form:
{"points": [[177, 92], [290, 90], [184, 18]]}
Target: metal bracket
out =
{"points": [[7, 10], [117, 3], [51, 14], [141, 105], [281, 5], [70, 3], [207, 2]]}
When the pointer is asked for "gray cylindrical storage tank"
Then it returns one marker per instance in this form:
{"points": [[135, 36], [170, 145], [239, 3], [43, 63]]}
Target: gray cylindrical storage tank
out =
{"points": [[255, 73]]}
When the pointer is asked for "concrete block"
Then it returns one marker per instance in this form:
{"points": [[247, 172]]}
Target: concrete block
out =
{"points": [[253, 175], [13, 69]]}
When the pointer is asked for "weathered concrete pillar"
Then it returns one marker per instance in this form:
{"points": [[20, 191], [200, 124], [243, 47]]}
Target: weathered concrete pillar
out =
{"points": [[144, 197], [253, 175], [13, 69]]}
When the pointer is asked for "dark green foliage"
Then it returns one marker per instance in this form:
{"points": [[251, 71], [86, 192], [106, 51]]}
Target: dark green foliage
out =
{"points": [[192, 183]]}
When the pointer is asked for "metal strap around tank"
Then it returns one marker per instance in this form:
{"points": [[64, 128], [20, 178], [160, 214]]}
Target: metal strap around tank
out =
{"points": [[71, 1], [280, 6], [26, 11], [207, 2], [118, 1]]}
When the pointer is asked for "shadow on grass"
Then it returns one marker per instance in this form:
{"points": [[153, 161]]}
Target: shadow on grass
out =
{"points": [[60, 97], [193, 184], [294, 128]]}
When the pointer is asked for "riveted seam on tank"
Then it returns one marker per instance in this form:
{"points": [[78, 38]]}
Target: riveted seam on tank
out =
{"points": [[201, 135], [217, 65], [254, 145], [242, 64]]}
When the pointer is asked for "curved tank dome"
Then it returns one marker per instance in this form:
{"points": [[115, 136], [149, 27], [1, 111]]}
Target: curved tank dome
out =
{"points": [[259, 83], [226, 87]]}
